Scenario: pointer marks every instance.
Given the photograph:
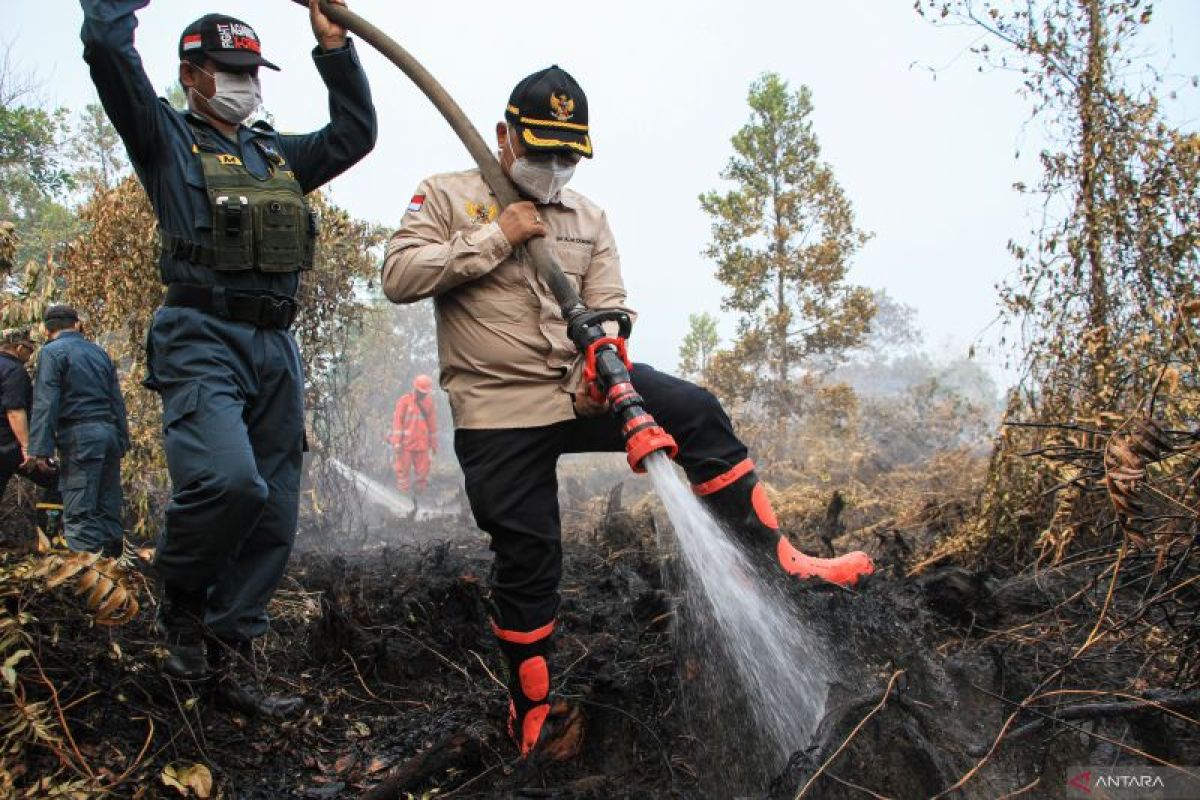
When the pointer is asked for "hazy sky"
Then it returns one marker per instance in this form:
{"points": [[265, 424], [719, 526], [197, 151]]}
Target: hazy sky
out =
{"points": [[922, 142]]}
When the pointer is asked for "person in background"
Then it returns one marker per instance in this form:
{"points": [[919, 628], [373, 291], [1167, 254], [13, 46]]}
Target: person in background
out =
{"points": [[414, 438], [78, 409], [16, 400], [16, 397]]}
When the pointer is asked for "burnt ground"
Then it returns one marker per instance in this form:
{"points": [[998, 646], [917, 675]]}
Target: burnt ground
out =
{"points": [[392, 650]]}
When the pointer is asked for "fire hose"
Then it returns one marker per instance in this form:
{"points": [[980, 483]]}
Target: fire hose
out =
{"points": [[606, 362]]}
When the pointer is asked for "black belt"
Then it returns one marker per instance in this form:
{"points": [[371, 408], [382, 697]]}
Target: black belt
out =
{"points": [[263, 310]]}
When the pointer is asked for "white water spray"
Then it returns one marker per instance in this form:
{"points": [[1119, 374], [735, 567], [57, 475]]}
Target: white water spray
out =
{"points": [[374, 490], [782, 665]]}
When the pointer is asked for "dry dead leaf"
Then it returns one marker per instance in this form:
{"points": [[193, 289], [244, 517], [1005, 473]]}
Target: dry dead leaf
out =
{"points": [[190, 780]]}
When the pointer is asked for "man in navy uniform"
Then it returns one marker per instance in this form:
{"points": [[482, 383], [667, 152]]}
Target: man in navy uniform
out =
{"points": [[16, 400], [78, 408], [236, 233]]}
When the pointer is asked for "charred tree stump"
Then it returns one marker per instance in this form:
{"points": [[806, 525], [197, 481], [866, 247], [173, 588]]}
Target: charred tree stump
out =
{"points": [[832, 526]]}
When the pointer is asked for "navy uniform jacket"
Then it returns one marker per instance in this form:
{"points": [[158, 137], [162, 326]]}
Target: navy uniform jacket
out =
{"points": [[160, 143], [76, 382], [16, 394]]}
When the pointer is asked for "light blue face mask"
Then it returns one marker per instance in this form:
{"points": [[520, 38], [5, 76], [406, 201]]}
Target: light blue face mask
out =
{"points": [[542, 179]]}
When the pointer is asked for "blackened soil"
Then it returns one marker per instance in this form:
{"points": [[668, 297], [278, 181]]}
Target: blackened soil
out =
{"points": [[393, 653]]}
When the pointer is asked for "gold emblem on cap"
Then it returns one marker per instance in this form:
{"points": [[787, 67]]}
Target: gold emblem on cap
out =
{"points": [[483, 213], [562, 107]]}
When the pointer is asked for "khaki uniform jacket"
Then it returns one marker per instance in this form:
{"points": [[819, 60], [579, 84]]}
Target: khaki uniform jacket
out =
{"points": [[506, 361]]}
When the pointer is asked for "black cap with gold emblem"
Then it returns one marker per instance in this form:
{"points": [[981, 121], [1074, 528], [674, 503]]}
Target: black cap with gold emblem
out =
{"points": [[549, 112]]}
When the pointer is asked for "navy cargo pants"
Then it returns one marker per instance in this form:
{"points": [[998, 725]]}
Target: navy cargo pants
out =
{"points": [[512, 484], [89, 458], [233, 427]]}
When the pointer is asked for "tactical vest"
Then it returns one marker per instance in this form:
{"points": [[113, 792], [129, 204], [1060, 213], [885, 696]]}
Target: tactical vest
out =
{"points": [[257, 223]]}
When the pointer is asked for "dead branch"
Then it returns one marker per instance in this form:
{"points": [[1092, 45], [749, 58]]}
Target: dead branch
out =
{"points": [[1179, 702]]}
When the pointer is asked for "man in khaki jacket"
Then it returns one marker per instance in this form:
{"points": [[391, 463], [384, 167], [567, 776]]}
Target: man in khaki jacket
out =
{"points": [[513, 376]]}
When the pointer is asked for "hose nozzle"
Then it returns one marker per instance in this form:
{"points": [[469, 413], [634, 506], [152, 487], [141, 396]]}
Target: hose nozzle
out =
{"points": [[606, 370], [643, 442]]}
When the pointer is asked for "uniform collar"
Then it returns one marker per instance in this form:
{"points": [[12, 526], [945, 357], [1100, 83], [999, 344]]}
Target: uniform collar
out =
{"points": [[69, 335], [197, 120], [566, 199], [12, 358], [258, 129]]}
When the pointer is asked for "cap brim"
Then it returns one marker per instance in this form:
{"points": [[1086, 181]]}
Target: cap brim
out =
{"points": [[555, 139], [239, 60]]}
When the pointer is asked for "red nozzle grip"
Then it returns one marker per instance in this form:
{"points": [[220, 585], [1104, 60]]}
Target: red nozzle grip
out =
{"points": [[645, 442], [589, 364]]}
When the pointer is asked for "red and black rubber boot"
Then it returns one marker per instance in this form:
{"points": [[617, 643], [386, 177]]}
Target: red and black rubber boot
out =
{"points": [[739, 501], [528, 683]]}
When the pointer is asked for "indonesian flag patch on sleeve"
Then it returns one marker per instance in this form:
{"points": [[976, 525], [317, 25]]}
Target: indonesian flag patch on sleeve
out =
{"points": [[417, 202]]}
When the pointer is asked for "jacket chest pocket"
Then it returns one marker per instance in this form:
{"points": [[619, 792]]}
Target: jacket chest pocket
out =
{"points": [[574, 260]]}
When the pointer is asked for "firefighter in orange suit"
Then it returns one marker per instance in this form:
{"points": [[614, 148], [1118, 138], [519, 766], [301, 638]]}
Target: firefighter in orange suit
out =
{"points": [[414, 436]]}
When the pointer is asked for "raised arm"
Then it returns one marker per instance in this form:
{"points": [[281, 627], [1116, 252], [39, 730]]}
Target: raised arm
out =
{"points": [[125, 90], [321, 156]]}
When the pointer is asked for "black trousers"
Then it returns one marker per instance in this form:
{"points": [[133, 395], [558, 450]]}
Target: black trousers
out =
{"points": [[10, 462], [512, 484]]}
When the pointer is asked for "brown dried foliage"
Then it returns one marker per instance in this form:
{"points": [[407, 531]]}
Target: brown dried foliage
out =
{"points": [[101, 582]]}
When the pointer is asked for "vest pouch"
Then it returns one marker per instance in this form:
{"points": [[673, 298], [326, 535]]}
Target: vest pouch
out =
{"points": [[233, 232], [281, 223], [310, 242]]}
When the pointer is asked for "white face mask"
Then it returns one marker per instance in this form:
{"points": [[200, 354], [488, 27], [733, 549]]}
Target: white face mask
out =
{"points": [[543, 179], [238, 95]]}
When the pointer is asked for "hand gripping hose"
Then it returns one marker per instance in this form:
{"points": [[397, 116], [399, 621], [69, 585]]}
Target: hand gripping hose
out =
{"points": [[606, 365]]}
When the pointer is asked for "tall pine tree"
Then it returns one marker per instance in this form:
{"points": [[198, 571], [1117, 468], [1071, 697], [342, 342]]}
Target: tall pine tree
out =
{"points": [[782, 239]]}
